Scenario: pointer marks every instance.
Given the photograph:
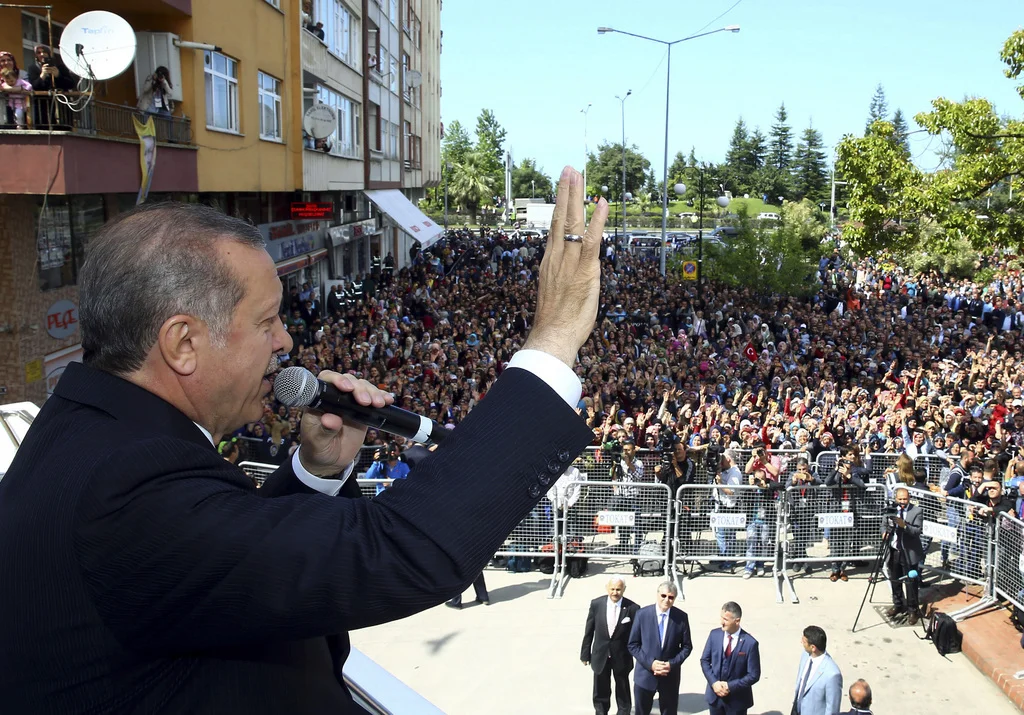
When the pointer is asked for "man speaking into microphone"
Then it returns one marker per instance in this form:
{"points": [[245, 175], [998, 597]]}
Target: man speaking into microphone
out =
{"points": [[905, 557], [143, 573]]}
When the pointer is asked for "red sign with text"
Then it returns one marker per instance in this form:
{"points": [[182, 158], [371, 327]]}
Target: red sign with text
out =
{"points": [[312, 210]]}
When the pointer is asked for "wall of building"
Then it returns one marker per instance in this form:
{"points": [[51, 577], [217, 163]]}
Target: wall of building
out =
{"points": [[430, 16]]}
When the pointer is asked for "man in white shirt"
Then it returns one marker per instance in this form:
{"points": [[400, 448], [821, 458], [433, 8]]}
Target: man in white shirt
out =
{"points": [[819, 684], [727, 502], [605, 646]]}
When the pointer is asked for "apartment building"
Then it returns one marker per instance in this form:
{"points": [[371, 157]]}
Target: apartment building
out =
{"points": [[244, 73]]}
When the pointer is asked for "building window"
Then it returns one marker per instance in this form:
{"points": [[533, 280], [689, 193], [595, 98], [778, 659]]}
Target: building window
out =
{"points": [[35, 32], [338, 27], [270, 107], [393, 77], [393, 12], [64, 228], [406, 143], [275, 3], [221, 92], [392, 140], [345, 140], [382, 59], [406, 92]]}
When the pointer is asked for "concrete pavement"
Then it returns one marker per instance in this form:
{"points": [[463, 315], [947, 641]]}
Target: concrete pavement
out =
{"points": [[521, 654]]}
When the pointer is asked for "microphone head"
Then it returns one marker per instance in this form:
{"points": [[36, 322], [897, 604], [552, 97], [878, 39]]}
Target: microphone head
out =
{"points": [[295, 387], [912, 573]]}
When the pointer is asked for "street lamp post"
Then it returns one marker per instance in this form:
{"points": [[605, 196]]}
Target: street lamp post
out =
{"points": [[668, 74], [447, 170], [586, 150], [533, 189], [622, 104]]}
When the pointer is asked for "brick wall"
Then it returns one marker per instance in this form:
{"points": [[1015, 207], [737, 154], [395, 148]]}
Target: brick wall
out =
{"points": [[23, 307]]}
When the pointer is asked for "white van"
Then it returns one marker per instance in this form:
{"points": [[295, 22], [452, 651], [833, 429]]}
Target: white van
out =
{"points": [[767, 216]]}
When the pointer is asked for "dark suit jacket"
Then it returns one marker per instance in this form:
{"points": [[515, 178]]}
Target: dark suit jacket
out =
{"points": [[910, 537], [740, 671], [646, 647], [143, 573], [598, 644]]}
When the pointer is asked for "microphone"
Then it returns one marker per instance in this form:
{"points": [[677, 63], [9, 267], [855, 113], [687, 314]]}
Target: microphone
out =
{"points": [[298, 387], [910, 575]]}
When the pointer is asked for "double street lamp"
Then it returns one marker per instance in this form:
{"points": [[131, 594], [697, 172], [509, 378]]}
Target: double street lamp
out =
{"points": [[668, 74], [625, 196]]}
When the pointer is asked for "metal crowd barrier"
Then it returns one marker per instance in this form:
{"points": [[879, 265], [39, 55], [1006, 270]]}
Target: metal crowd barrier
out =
{"points": [[259, 473], [956, 537], [1009, 571], [838, 526], [727, 527], [937, 468]]}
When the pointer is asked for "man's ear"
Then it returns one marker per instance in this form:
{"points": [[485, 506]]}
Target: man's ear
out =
{"points": [[180, 339]]}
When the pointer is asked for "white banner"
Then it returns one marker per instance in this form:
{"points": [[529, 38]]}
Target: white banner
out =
{"points": [[840, 520], [616, 518], [728, 521], [938, 531]]}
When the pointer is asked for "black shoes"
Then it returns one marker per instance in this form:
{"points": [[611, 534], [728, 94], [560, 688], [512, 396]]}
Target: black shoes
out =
{"points": [[451, 604]]}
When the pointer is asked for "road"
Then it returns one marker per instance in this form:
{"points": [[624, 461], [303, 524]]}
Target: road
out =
{"points": [[521, 654]]}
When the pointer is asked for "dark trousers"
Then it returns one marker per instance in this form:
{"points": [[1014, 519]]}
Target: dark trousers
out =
{"points": [[668, 697], [481, 591], [721, 710], [898, 568], [603, 691]]}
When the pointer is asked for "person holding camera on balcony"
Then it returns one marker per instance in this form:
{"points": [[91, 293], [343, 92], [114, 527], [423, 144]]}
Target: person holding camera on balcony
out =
{"points": [[847, 484], [48, 74], [156, 94], [762, 472], [906, 555], [386, 465]]}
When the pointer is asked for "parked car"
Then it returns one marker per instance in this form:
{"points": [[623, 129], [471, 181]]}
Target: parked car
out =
{"points": [[687, 214], [767, 216], [15, 419]]}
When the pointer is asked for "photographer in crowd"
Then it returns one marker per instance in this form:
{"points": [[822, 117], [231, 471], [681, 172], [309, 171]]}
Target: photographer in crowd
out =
{"points": [[762, 472], [848, 487], [388, 466]]}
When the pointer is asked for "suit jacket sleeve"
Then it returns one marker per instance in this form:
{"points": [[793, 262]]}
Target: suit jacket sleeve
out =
{"points": [[588, 635], [685, 642], [705, 660], [834, 693], [753, 673], [179, 553], [915, 523], [636, 643]]}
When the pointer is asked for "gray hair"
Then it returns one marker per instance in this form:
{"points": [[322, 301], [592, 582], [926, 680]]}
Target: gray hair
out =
{"points": [[616, 578], [151, 263], [733, 609], [669, 586]]}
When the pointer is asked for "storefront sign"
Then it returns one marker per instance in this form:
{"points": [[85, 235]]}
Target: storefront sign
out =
{"points": [[312, 210], [297, 246], [62, 319], [55, 363]]}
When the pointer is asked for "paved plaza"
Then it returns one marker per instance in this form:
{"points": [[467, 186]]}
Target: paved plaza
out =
{"points": [[521, 654]]}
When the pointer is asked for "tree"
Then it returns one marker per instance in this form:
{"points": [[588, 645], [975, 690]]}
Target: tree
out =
{"points": [[810, 173], [772, 182], [677, 169], [757, 151], [878, 109], [969, 198], [472, 186], [900, 130], [490, 141], [456, 143], [737, 168], [651, 185], [781, 145], [528, 180], [605, 168]]}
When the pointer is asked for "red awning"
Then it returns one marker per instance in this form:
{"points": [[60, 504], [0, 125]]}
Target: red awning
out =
{"points": [[292, 265]]}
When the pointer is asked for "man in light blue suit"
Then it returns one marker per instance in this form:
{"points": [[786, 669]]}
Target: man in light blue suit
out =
{"points": [[819, 684], [732, 664], [660, 642]]}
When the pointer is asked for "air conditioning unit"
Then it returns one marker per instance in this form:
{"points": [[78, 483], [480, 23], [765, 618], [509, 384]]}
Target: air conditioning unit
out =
{"points": [[157, 49]]}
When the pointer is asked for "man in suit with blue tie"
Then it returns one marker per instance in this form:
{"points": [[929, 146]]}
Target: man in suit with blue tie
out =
{"points": [[660, 642], [819, 684], [605, 646], [732, 664]]}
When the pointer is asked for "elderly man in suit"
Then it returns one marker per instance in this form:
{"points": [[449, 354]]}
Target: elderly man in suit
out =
{"points": [[143, 573], [606, 646], [906, 554], [660, 642], [819, 684], [732, 664], [860, 698]]}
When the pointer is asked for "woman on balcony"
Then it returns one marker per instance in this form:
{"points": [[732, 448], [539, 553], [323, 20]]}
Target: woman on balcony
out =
{"points": [[14, 89], [156, 94]]}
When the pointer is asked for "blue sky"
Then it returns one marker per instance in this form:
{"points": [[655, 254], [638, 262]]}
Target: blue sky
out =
{"points": [[537, 63]]}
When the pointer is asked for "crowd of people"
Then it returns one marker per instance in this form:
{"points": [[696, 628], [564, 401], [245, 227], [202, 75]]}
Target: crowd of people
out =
{"points": [[877, 360]]}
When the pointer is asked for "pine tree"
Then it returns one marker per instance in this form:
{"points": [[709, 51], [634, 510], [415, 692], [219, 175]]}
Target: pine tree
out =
{"points": [[900, 130], [810, 173], [757, 150], [737, 174], [879, 108], [781, 147]]}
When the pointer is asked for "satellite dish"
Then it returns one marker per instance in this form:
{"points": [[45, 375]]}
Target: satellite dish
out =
{"points": [[414, 78], [320, 121], [98, 45]]}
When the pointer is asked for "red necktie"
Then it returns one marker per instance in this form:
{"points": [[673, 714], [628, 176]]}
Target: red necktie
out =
{"points": [[728, 647]]}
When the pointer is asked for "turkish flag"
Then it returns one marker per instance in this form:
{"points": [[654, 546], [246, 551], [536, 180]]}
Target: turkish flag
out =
{"points": [[750, 352]]}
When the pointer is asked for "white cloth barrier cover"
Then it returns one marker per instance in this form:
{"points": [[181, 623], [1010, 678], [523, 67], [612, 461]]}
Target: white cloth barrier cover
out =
{"points": [[1010, 560], [733, 525], [834, 525]]}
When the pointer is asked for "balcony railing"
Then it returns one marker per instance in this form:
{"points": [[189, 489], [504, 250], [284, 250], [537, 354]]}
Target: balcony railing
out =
{"points": [[44, 112]]}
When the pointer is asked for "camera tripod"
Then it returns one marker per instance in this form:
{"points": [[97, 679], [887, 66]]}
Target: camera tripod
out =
{"points": [[876, 569]]}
